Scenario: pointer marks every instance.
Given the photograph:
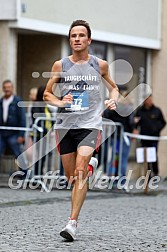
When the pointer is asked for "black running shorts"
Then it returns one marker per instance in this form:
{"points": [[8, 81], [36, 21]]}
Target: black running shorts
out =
{"points": [[68, 141]]}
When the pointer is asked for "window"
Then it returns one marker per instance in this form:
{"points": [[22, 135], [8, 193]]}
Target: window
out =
{"points": [[137, 59], [99, 49]]}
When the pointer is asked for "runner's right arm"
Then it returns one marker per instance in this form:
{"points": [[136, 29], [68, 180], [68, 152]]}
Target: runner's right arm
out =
{"points": [[50, 94]]}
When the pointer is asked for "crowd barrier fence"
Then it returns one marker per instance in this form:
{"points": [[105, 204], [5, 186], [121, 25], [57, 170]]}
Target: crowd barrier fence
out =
{"points": [[44, 146]]}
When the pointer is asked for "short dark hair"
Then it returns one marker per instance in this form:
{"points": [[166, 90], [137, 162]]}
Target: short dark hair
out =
{"points": [[83, 23], [6, 81]]}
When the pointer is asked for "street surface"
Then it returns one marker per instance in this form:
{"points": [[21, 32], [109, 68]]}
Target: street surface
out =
{"points": [[109, 221]]}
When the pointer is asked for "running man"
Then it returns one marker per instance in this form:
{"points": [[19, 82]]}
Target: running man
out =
{"points": [[76, 87]]}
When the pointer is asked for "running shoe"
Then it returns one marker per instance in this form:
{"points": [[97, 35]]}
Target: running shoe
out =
{"points": [[69, 232], [93, 163]]}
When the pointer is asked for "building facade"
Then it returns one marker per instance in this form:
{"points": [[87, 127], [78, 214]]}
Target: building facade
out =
{"points": [[33, 34]]}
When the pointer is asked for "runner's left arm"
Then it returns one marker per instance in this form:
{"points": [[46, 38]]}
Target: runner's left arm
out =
{"points": [[111, 103]]}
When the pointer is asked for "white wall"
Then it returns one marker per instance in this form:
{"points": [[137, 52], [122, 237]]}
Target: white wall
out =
{"points": [[9, 9], [136, 18]]}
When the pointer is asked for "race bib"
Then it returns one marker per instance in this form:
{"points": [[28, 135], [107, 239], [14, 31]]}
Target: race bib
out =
{"points": [[80, 102]]}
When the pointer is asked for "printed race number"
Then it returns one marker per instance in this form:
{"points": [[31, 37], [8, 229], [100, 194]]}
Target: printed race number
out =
{"points": [[80, 102]]}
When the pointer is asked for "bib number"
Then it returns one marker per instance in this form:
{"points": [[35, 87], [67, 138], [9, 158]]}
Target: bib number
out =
{"points": [[80, 102]]}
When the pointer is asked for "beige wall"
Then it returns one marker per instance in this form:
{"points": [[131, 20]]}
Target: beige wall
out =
{"points": [[36, 53], [9, 9], [108, 15], [159, 84], [4, 47], [8, 53]]}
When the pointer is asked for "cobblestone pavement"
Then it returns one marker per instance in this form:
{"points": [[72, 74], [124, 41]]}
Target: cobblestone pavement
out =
{"points": [[31, 221]]}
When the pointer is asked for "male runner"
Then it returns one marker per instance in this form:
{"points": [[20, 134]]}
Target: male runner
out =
{"points": [[75, 87]]}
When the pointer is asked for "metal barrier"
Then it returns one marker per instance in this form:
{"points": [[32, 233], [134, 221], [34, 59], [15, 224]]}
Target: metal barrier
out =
{"points": [[44, 143], [44, 156], [26, 129], [44, 151], [45, 147], [112, 135], [112, 132], [33, 131]]}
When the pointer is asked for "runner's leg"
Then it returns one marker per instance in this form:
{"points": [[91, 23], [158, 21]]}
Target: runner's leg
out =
{"points": [[69, 163], [80, 186], [79, 168]]}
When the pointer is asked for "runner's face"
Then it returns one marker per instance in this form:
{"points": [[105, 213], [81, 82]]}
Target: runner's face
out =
{"points": [[79, 40]]}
